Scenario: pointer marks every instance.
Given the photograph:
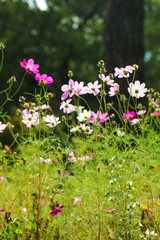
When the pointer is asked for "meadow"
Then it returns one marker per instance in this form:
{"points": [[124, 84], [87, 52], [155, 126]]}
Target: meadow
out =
{"points": [[82, 174]]}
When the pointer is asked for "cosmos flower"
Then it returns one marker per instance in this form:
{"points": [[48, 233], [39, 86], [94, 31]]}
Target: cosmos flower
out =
{"points": [[93, 88], [66, 106], [114, 89], [98, 117], [137, 89], [56, 210], [68, 90], [129, 115], [123, 72], [2, 127], [29, 66], [44, 78]]}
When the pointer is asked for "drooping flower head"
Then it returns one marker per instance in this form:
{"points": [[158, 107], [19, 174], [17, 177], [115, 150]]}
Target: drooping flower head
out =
{"points": [[123, 72], [114, 90], [107, 79], [29, 66], [98, 117], [137, 89], [56, 210], [129, 115], [44, 78]]}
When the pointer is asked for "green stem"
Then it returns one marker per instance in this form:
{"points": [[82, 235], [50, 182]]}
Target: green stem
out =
{"points": [[2, 60]]}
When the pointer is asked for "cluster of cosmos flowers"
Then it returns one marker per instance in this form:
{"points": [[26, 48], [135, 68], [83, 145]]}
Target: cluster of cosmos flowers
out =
{"points": [[32, 115]]}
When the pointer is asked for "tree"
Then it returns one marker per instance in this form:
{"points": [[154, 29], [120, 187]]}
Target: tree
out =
{"points": [[124, 35]]}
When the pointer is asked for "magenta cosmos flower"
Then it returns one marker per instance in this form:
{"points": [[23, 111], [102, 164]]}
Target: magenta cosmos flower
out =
{"points": [[137, 89], [44, 78], [98, 117], [129, 115], [56, 210], [29, 66], [156, 114], [2, 210]]}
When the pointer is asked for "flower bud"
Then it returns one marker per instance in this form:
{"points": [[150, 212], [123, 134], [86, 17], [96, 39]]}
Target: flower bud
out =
{"points": [[22, 99], [2, 46], [101, 63], [70, 74], [136, 66], [12, 80]]}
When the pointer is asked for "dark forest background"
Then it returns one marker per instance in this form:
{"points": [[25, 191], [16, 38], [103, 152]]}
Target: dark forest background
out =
{"points": [[75, 35]]}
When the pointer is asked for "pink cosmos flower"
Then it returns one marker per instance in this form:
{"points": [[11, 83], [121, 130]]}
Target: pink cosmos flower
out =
{"points": [[152, 101], [56, 210], [93, 88], [123, 72], [29, 66], [86, 129], [3, 178], [84, 158], [2, 127], [43, 107], [129, 115], [98, 117], [113, 90], [44, 78], [47, 161], [137, 89], [77, 199], [30, 118], [79, 88], [51, 120], [141, 112], [106, 79], [135, 121], [67, 107], [68, 90], [109, 211]]}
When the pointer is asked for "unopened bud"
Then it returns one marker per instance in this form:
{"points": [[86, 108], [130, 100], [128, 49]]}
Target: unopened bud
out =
{"points": [[22, 99], [70, 74], [101, 63], [111, 76], [2, 46], [136, 67], [12, 79]]}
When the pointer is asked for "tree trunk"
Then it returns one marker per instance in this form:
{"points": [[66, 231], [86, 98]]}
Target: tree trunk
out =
{"points": [[124, 35]]}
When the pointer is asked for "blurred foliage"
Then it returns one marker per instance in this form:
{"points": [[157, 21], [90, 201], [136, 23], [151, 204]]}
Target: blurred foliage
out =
{"points": [[152, 43], [68, 35]]}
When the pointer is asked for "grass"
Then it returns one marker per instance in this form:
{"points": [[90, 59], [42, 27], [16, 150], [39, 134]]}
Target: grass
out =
{"points": [[116, 178]]}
